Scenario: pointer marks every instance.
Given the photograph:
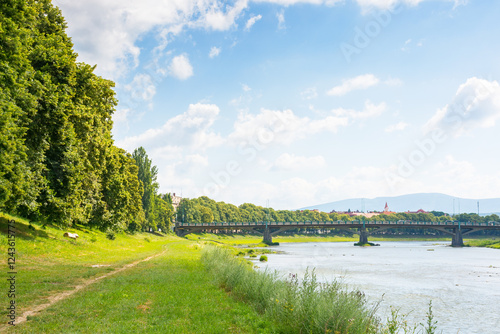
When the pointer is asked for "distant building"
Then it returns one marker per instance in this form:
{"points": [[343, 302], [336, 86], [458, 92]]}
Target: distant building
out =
{"points": [[176, 200], [369, 214], [418, 211]]}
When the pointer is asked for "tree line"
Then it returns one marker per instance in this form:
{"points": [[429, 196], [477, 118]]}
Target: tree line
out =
{"points": [[58, 161], [206, 210]]}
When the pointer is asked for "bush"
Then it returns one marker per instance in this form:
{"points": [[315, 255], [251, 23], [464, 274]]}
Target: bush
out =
{"points": [[297, 306], [110, 235], [263, 258]]}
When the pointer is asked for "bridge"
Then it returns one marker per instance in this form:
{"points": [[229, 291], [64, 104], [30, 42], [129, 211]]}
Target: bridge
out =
{"points": [[362, 228]]}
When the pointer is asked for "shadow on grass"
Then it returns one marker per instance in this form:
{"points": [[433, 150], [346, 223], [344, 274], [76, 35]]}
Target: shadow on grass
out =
{"points": [[23, 231]]}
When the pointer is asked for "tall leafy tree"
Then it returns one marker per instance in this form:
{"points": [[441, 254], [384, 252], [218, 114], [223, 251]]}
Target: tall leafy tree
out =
{"points": [[147, 174]]}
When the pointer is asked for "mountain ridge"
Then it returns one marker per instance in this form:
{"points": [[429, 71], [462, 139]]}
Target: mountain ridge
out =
{"points": [[414, 202]]}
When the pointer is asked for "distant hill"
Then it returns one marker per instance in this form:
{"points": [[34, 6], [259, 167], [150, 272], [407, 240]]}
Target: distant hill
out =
{"points": [[413, 202]]}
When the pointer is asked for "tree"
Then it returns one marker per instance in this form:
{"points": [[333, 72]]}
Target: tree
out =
{"points": [[206, 215], [147, 174]]}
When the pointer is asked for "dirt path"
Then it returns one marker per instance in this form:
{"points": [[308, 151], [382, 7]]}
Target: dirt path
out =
{"points": [[63, 295]]}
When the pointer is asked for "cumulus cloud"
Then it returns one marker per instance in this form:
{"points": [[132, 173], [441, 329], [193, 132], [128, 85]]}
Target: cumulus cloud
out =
{"points": [[180, 67], [368, 5], [293, 2], [370, 110], [251, 21], [291, 162], [142, 87], [357, 83], [105, 32], [282, 127], [476, 104], [396, 127], [218, 16], [191, 130], [214, 52]]}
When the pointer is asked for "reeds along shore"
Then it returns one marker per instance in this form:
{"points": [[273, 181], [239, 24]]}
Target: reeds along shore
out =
{"points": [[297, 306]]}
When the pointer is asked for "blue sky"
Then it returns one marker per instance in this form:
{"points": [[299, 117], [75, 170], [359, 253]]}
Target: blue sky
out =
{"points": [[302, 102]]}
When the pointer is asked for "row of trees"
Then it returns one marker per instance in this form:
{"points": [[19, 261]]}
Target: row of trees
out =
{"points": [[206, 210], [58, 161]]}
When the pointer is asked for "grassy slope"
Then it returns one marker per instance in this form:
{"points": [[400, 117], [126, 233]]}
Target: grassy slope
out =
{"points": [[171, 293]]}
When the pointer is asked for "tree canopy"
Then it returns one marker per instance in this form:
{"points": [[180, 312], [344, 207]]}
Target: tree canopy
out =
{"points": [[58, 161]]}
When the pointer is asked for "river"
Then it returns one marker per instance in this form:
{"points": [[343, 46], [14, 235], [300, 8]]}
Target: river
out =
{"points": [[463, 283]]}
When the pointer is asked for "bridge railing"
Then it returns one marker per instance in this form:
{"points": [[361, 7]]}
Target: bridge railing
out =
{"points": [[355, 223]]}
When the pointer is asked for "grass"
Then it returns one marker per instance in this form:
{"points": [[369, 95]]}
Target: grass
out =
{"points": [[305, 306], [256, 240], [490, 243], [171, 293]]}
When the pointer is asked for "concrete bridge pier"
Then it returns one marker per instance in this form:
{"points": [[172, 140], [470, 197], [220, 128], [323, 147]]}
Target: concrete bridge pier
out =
{"points": [[268, 238], [457, 239], [363, 236]]}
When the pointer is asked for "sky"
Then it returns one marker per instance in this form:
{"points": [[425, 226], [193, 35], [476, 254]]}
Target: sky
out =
{"points": [[291, 103]]}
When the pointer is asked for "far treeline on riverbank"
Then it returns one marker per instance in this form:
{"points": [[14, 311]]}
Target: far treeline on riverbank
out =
{"points": [[183, 287]]}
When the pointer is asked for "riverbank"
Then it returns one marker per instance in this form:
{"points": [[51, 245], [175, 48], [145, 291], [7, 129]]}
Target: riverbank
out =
{"points": [[117, 283], [171, 292], [256, 240]]}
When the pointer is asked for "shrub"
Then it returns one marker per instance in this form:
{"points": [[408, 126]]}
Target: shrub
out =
{"points": [[110, 235], [263, 258], [297, 306]]}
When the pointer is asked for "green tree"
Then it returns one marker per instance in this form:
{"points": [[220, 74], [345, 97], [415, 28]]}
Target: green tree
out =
{"points": [[206, 215], [147, 174]]}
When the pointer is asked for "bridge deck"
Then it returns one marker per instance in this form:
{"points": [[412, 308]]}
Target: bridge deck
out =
{"points": [[455, 229], [340, 224]]}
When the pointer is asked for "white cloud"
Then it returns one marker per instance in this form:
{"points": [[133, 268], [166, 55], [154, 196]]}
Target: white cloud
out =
{"points": [[251, 21], [214, 52], [216, 18], [105, 32], [281, 19], [475, 105], [357, 83], [370, 110], [281, 127], [246, 88], [142, 87], [309, 93], [367, 5], [180, 67], [393, 82], [191, 129], [291, 162], [396, 127], [293, 2]]}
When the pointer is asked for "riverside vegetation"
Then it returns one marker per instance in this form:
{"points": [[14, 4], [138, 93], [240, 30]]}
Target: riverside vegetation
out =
{"points": [[175, 292]]}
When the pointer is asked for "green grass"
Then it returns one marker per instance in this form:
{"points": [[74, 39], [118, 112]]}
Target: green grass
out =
{"points": [[305, 306], [490, 243], [47, 262], [256, 240], [171, 293]]}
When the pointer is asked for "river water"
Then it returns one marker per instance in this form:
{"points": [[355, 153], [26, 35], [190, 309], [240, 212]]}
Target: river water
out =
{"points": [[463, 283]]}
